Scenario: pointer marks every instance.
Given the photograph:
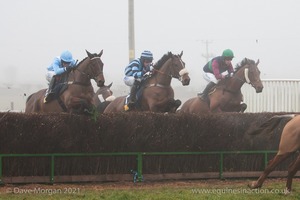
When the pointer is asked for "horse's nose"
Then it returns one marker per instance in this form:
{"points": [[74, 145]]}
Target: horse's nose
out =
{"points": [[100, 83], [186, 81], [259, 89]]}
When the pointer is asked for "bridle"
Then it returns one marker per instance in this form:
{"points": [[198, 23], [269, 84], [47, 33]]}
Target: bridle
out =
{"points": [[182, 72], [91, 67]]}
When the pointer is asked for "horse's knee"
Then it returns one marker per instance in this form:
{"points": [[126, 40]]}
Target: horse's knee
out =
{"points": [[173, 105], [243, 107]]}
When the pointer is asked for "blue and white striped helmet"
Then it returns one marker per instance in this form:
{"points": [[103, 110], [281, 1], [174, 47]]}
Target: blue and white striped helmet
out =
{"points": [[147, 55]]}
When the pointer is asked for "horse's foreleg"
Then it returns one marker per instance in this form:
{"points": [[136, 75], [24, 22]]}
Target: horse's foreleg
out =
{"points": [[243, 107], [270, 167], [293, 168]]}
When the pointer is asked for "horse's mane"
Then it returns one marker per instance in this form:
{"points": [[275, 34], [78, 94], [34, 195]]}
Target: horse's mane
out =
{"points": [[94, 55], [81, 61], [244, 62], [162, 61]]}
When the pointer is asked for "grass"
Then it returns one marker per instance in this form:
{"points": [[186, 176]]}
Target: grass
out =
{"points": [[177, 190]]}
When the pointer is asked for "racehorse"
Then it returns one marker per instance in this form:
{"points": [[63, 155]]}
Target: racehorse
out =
{"points": [[103, 97], [227, 95], [288, 145], [157, 94], [76, 95]]}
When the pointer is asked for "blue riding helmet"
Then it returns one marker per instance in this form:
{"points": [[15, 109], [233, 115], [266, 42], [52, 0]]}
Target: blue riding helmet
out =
{"points": [[66, 56], [147, 55]]}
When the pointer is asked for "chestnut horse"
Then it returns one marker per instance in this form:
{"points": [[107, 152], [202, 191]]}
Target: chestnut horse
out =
{"points": [[158, 95], [103, 97], [79, 92], [288, 145], [227, 95]]}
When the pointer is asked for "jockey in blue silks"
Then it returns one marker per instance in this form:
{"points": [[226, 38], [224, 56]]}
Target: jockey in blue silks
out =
{"points": [[61, 64]]}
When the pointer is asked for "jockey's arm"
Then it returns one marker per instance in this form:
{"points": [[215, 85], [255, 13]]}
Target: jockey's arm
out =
{"points": [[57, 67]]}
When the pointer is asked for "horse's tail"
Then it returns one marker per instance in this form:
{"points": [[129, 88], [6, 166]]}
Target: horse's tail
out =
{"points": [[271, 124]]}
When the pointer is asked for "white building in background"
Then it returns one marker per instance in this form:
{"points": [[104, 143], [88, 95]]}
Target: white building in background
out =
{"points": [[277, 96]]}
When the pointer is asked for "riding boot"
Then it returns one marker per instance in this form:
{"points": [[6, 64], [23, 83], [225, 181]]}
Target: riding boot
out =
{"points": [[133, 91], [50, 93], [204, 94]]}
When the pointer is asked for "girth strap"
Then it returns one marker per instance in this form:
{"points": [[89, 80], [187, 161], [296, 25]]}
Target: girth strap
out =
{"points": [[157, 84]]}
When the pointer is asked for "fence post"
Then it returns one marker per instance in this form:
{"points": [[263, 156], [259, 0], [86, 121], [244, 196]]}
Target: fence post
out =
{"points": [[52, 170], [140, 166], [221, 165], [266, 159]]}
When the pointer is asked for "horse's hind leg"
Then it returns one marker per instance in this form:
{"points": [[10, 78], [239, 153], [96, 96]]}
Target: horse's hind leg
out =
{"points": [[270, 167], [293, 168]]}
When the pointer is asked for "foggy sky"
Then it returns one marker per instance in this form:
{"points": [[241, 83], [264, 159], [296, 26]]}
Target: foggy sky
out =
{"points": [[33, 32]]}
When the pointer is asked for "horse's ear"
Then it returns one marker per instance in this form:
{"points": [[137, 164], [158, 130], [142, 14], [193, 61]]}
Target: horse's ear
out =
{"points": [[110, 84], [257, 62], [100, 54], [181, 54], [89, 54]]}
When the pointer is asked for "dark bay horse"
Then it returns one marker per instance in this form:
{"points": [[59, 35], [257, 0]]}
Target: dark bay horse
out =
{"points": [[79, 92], [288, 145], [227, 96], [158, 95], [103, 97]]}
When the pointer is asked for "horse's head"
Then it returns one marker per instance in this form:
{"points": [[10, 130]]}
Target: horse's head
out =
{"points": [[94, 68], [251, 73], [105, 92], [175, 68]]}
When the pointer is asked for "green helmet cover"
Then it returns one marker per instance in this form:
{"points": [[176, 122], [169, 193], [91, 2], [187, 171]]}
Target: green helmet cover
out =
{"points": [[228, 53]]}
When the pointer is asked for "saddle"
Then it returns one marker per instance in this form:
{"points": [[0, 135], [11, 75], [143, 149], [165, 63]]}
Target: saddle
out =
{"points": [[61, 84]]}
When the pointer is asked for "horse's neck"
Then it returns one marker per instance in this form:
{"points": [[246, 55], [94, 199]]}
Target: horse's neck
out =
{"points": [[236, 82], [163, 76], [78, 76]]}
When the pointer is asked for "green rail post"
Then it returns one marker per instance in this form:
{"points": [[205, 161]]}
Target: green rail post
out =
{"points": [[266, 159], [52, 170], [1, 170], [140, 166], [221, 165]]}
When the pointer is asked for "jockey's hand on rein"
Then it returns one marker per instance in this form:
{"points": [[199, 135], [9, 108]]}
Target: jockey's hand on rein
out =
{"points": [[68, 69], [228, 75], [147, 74]]}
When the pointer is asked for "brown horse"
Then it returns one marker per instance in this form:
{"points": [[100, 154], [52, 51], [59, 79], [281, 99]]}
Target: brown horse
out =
{"points": [[289, 144], [158, 95], [103, 97], [78, 93], [227, 96]]}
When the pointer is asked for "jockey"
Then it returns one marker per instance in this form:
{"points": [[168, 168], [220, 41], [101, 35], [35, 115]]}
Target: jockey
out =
{"points": [[136, 71], [216, 69], [61, 64]]}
